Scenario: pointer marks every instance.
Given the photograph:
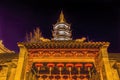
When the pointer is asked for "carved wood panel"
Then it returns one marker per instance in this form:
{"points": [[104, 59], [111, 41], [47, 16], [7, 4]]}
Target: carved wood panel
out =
{"points": [[62, 53]]}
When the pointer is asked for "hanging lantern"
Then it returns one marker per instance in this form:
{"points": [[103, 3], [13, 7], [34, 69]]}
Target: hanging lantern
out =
{"points": [[78, 65], [69, 65], [50, 65], [38, 65], [60, 65], [88, 66]]}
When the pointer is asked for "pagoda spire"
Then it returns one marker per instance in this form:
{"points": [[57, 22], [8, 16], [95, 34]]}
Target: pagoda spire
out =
{"points": [[61, 30], [61, 17]]}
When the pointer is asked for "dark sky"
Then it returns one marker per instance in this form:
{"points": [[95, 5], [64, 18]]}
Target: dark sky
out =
{"points": [[99, 20]]}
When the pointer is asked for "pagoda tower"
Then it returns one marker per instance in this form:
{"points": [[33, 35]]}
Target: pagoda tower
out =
{"points": [[61, 30]]}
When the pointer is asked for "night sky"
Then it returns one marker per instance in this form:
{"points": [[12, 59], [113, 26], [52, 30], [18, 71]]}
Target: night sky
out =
{"points": [[98, 20]]}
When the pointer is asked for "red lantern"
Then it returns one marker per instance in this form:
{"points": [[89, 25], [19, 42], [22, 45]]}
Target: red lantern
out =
{"points": [[38, 65], [78, 65], [88, 65], [60, 65], [50, 65], [69, 65]]}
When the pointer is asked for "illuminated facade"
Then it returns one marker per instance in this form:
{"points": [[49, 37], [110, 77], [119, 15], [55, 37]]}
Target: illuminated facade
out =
{"points": [[61, 58]]}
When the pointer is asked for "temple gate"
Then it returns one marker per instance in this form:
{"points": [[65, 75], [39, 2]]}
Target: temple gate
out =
{"points": [[62, 58]]}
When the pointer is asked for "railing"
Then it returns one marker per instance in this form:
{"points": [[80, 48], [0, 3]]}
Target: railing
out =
{"points": [[62, 77]]}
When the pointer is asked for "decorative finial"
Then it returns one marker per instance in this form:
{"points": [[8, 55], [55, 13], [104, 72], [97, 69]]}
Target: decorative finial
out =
{"points": [[61, 18]]}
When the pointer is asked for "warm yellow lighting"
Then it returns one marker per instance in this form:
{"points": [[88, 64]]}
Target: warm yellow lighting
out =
{"points": [[61, 18]]}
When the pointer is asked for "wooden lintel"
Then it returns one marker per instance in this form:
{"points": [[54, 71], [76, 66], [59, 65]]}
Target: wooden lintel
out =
{"points": [[62, 60]]}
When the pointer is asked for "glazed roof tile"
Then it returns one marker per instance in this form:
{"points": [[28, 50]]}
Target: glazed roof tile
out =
{"points": [[7, 57], [63, 44]]}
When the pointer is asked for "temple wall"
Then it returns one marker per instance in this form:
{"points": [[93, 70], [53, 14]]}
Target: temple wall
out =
{"points": [[114, 59], [3, 73], [8, 70]]}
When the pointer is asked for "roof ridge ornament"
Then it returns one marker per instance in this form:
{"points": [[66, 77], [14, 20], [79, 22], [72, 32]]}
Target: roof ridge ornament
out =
{"points": [[61, 17]]}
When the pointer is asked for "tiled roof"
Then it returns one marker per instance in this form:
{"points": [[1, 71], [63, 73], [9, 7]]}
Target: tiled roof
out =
{"points": [[7, 57], [64, 44], [114, 56]]}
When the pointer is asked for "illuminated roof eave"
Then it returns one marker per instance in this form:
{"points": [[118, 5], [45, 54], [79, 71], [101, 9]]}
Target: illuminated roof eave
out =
{"points": [[6, 57], [63, 44]]}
